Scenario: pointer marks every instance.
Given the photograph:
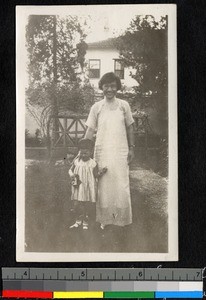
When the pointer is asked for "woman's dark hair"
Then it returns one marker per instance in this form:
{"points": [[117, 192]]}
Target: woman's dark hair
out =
{"points": [[108, 78]]}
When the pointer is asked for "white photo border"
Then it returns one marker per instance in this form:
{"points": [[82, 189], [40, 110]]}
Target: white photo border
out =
{"points": [[22, 13]]}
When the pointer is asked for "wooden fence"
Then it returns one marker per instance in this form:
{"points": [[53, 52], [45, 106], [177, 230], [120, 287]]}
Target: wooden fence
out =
{"points": [[71, 129]]}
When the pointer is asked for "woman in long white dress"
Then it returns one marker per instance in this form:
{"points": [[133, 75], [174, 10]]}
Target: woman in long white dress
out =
{"points": [[112, 121]]}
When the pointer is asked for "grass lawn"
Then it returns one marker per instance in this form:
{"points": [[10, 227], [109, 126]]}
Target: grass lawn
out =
{"points": [[49, 214]]}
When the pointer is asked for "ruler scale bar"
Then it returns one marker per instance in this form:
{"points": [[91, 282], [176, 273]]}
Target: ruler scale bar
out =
{"points": [[103, 274], [145, 283]]}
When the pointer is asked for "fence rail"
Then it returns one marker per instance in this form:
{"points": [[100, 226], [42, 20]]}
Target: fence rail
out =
{"points": [[71, 129]]}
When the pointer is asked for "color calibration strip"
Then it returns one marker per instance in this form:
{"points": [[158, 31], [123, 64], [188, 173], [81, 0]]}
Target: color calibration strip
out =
{"points": [[102, 295], [51, 289], [63, 283]]}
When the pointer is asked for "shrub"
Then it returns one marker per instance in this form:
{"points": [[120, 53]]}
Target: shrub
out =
{"points": [[35, 140], [76, 98]]}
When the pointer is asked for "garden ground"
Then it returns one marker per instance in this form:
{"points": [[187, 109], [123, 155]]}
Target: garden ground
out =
{"points": [[49, 214]]}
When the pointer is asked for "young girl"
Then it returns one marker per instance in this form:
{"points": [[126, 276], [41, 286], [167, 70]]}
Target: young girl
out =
{"points": [[83, 173]]}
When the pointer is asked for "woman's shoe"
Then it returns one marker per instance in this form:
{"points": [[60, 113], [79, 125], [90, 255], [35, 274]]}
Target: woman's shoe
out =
{"points": [[76, 224]]}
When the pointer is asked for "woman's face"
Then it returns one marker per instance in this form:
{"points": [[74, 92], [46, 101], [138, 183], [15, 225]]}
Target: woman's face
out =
{"points": [[110, 90]]}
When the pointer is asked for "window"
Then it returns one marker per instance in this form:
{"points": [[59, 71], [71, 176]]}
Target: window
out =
{"points": [[119, 68], [94, 68]]}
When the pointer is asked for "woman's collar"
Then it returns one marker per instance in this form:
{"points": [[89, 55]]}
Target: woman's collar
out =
{"points": [[106, 101]]}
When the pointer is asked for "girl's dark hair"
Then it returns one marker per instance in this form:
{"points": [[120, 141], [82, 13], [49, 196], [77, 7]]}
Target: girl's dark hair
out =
{"points": [[108, 78]]}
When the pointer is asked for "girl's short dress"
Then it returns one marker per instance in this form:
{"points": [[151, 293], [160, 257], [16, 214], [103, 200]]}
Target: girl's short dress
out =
{"points": [[87, 189]]}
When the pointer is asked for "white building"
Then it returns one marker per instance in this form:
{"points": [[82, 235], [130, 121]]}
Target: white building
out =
{"points": [[103, 57]]}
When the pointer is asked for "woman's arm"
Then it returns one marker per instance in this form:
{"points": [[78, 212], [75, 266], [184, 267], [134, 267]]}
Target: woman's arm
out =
{"points": [[130, 134], [71, 171], [91, 122], [89, 133], [95, 172]]}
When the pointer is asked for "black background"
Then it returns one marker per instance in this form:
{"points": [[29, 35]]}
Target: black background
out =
{"points": [[191, 33]]}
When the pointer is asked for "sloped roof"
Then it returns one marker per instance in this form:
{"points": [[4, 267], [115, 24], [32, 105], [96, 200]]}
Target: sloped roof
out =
{"points": [[105, 44]]}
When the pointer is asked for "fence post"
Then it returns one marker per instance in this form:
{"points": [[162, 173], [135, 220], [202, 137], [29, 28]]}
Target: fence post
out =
{"points": [[76, 128], [48, 138], [54, 134], [65, 131], [146, 139]]}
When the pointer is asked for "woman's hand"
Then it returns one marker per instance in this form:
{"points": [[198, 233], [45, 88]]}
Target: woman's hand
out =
{"points": [[102, 172], [131, 141], [130, 156]]}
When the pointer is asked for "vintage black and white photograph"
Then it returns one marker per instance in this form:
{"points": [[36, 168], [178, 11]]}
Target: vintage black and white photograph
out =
{"points": [[96, 90]]}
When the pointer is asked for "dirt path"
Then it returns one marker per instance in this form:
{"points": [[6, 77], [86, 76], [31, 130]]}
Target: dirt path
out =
{"points": [[49, 215]]}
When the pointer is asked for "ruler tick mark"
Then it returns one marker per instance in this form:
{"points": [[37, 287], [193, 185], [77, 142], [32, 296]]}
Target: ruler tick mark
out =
{"points": [[180, 275]]}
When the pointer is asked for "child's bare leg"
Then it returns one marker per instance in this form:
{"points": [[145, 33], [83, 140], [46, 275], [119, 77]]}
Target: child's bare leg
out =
{"points": [[78, 210], [86, 209], [85, 217], [78, 214]]}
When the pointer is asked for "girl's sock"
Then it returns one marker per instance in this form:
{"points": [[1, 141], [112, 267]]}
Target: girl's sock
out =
{"points": [[85, 223], [102, 226]]}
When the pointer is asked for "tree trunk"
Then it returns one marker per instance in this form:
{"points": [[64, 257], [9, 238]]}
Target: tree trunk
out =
{"points": [[55, 79]]}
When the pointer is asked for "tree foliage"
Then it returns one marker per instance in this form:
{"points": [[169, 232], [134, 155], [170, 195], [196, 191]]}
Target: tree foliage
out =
{"points": [[56, 50], [51, 44], [144, 48]]}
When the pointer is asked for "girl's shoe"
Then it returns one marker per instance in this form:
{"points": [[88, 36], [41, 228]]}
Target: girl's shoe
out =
{"points": [[76, 224], [102, 226], [85, 225]]}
